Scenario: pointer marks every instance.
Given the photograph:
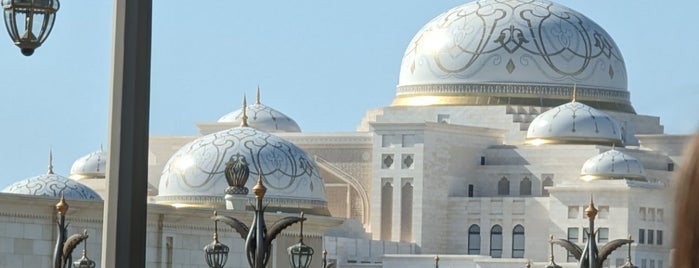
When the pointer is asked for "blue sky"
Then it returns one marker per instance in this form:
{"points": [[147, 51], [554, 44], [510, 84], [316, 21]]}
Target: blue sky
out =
{"points": [[324, 63]]}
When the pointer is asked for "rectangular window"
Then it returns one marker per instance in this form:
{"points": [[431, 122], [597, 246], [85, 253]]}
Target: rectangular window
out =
{"points": [[408, 140], [603, 212], [443, 118], [644, 263], [603, 235], [651, 214], [660, 263], [650, 237], [659, 237], [641, 236], [573, 211], [659, 215], [652, 263], [572, 237], [642, 213], [470, 190]]}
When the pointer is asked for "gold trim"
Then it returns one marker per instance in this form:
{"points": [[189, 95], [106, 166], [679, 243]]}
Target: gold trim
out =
{"points": [[573, 140], [510, 94]]}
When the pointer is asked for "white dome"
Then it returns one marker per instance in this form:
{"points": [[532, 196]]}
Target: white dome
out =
{"points": [[54, 186], [93, 165], [613, 164], [194, 175], [576, 123], [263, 118], [498, 52]]}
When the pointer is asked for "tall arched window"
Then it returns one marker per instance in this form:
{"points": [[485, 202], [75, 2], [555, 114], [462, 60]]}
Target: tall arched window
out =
{"points": [[525, 186], [496, 241], [548, 181], [503, 186], [474, 240], [518, 241], [406, 213], [386, 211]]}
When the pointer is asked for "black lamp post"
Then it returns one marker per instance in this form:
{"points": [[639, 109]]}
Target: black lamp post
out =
{"points": [[29, 22], [62, 256], [258, 238], [590, 256]]}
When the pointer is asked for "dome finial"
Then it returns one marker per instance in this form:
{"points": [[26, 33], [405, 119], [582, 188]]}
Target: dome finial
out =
{"points": [[50, 171], [575, 91], [244, 118], [257, 99]]}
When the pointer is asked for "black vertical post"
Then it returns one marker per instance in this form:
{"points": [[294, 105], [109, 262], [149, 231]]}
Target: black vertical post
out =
{"points": [[124, 221]]}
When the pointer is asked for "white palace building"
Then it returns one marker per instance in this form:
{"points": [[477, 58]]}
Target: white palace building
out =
{"points": [[508, 116]]}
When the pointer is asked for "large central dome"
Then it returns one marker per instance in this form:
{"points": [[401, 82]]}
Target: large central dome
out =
{"points": [[499, 52]]}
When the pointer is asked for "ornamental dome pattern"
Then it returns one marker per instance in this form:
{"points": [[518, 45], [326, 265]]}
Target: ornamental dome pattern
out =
{"points": [[194, 175], [524, 52], [611, 165], [92, 165], [52, 185], [262, 117], [574, 123]]}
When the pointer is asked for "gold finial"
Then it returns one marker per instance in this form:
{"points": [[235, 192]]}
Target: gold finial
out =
{"points": [[50, 171], [62, 206], [259, 189], [575, 91], [591, 211], [257, 99], [244, 118]]}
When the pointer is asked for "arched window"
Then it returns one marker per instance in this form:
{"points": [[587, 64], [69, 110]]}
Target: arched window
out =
{"points": [[386, 211], [525, 186], [474, 240], [548, 181], [518, 241], [406, 213], [504, 186], [496, 241]]}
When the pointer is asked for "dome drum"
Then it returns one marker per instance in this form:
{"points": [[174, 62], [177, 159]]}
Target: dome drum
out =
{"points": [[510, 94]]}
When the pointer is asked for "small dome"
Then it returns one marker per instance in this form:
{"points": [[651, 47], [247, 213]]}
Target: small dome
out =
{"points": [[518, 52], [93, 165], [263, 118], [574, 123], [54, 186], [612, 165], [194, 175]]}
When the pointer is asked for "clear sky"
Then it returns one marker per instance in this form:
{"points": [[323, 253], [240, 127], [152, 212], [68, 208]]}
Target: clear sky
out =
{"points": [[323, 63]]}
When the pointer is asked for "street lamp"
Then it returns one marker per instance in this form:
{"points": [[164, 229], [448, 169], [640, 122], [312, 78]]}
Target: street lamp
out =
{"points": [[300, 255], [63, 254], [591, 256], [258, 238], [216, 253], [84, 262], [29, 22]]}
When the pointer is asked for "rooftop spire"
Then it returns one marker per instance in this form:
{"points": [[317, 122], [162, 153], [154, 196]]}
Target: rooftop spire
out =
{"points": [[575, 92], [50, 171], [257, 99], [244, 118]]}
